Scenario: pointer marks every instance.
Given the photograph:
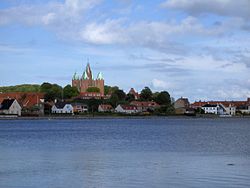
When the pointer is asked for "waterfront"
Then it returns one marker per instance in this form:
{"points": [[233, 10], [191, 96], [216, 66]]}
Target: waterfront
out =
{"points": [[155, 152]]}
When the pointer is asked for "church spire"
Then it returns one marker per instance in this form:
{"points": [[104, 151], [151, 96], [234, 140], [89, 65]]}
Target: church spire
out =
{"points": [[74, 76], [88, 71]]}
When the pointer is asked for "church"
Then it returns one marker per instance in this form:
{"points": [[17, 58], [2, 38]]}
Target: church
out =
{"points": [[87, 84]]}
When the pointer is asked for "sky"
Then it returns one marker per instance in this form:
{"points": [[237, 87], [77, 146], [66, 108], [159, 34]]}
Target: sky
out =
{"points": [[198, 49]]}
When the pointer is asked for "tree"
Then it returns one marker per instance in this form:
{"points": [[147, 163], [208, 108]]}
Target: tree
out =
{"points": [[69, 92], [146, 94], [114, 99], [93, 104], [130, 97], [163, 98], [52, 91], [110, 89], [21, 88], [120, 94], [199, 111], [93, 90]]}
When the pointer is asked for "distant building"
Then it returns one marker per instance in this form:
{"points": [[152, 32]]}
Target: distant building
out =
{"points": [[133, 92], [62, 108], [79, 108], [231, 107], [126, 109], [214, 109], [144, 106], [181, 105], [31, 102], [10, 107], [87, 81], [91, 95], [105, 108]]}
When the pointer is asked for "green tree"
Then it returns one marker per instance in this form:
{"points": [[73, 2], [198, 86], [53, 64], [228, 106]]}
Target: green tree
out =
{"points": [[69, 92], [52, 91], [93, 90], [93, 104], [130, 97], [163, 98], [21, 88], [110, 89], [114, 99], [120, 94], [199, 111], [146, 94]]}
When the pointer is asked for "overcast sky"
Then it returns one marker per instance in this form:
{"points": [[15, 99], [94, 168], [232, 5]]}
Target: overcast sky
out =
{"points": [[198, 49]]}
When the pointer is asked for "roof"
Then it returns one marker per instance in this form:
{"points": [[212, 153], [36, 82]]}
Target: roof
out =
{"points": [[60, 105], [210, 105], [145, 103], [224, 103], [85, 76], [106, 106], [6, 104], [185, 100], [25, 99], [133, 92], [99, 76], [128, 107], [78, 104]]}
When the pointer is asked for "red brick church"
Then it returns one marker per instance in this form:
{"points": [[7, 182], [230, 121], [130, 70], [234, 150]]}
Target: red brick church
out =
{"points": [[87, 81]]}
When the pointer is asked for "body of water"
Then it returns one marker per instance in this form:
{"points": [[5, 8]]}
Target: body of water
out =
{"points": [[113, 153]]}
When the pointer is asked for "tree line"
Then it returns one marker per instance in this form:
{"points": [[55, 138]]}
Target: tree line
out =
{"points": [[117, 95]]}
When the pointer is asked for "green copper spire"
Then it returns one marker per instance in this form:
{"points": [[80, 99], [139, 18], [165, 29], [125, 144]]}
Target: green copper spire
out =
{"points": [[100, 76], [74, 76], [85, 75]]}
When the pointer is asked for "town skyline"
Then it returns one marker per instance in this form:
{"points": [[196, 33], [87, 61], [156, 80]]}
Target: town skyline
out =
{"points": [[194, 49]]}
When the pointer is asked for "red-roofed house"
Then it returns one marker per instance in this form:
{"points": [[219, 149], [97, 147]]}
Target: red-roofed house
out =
{"points": [[126, 109], [133, 92], [230, 106], [144, 106], [105, 108], [27, 100]]}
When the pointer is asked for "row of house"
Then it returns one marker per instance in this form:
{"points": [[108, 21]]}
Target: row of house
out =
{"points": [[182, 106], [132, 108], [30, 102]]}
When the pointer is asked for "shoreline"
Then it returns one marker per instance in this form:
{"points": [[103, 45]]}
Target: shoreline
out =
{"points": [[118, 117]]}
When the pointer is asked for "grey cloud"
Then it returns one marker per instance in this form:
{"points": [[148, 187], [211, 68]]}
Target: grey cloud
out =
{"points": [[154, 67], [239, 8]]}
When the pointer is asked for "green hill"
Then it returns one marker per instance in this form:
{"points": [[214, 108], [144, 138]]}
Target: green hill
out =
{"points": [[21, 88]]}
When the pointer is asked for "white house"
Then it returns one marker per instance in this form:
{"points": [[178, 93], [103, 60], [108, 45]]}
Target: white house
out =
{"points": [[230, 109], [214, 109], [10, 106], [127, 109], [62, 108]]}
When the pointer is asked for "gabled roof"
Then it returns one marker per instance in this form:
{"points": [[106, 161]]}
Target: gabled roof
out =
{"points": [[133, 92], [85, 75], [128, 107], [99, 76], [106, 106], [25, 99], [145, 103], [210, 105], [224, 103], [60, 105], [6, 104]]}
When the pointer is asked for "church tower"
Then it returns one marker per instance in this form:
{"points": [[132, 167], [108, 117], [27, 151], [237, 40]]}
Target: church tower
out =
{"points": [[87, 80]]}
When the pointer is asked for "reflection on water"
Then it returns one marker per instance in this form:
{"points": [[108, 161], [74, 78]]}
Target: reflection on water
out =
{"points": [[125, 153]]}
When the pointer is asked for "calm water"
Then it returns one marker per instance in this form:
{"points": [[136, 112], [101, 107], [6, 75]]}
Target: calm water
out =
{"points": [[161, 152]]}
